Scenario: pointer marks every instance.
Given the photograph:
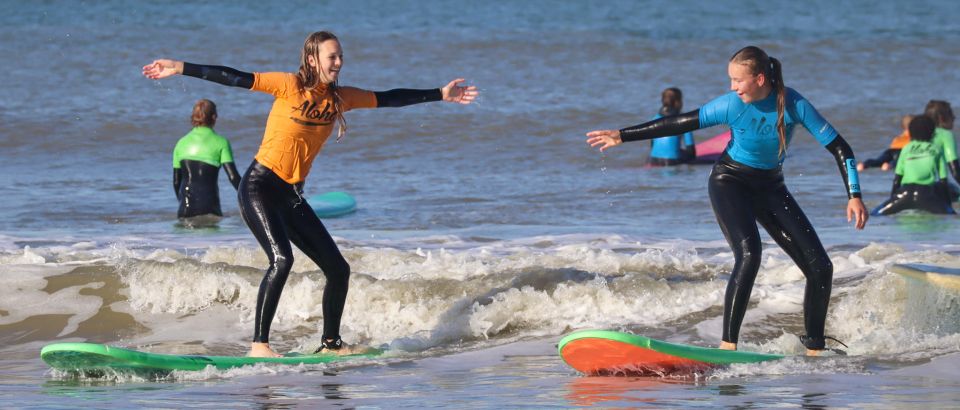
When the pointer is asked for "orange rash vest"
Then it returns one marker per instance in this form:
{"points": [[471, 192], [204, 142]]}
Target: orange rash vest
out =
{"points": [[300, 122], [900, 140]]}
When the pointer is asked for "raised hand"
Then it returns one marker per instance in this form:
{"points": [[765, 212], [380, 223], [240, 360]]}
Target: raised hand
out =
{"points": [[162, 68], [604, 138], [456, 93]]}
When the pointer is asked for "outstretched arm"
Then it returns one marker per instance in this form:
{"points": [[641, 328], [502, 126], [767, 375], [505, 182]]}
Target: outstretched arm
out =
{"points": [[848, 170], [232, 174], [661, 127], [164, 68], [452, 92]]}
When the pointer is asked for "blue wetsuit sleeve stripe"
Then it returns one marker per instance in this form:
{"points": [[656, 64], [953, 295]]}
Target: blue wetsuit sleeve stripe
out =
{"points": [[848, 165]]}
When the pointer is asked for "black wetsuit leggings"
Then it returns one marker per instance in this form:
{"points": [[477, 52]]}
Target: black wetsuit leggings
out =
{"points": [[741, 197], [277, 214]]}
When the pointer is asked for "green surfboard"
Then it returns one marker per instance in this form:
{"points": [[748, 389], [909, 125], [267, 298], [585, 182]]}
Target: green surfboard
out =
{"points": [[97, 357], [609, 352]]}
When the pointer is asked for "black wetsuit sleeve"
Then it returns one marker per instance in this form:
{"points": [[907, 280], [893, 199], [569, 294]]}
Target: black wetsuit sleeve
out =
{"points": [[955, 169], [219, 74], [662, 127], [232, 174], [402, 97], [176, 182], [896, 185], [844, 155]]}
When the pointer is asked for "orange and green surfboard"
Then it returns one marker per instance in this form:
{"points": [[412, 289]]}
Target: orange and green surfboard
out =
{"points": [[606, 352]]}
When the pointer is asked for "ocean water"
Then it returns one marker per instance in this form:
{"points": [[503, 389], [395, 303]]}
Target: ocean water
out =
{"points": [[483, 233]]}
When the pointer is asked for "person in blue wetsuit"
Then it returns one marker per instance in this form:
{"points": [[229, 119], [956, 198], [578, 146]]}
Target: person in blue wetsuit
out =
{"points": [[197, 159], [667, 151], [747, 187]]}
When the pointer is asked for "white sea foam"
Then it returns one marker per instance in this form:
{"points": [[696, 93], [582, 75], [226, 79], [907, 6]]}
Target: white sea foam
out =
{"points": [[423, 296]]}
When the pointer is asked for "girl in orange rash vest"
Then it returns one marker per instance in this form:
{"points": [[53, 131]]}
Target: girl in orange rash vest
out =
{"points": [[308, 105]]}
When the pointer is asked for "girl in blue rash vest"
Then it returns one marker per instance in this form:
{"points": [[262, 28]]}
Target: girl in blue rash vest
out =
{"points": [[747, 186], [666, 151]]}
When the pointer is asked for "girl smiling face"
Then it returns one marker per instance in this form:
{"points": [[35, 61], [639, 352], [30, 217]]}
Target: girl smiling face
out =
{"points": [[749, 87], [327, 61]]}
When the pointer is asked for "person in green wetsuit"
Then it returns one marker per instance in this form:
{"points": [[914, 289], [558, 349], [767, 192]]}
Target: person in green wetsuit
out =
{"points": [[921, 174], [197, 159], [942, 116]]}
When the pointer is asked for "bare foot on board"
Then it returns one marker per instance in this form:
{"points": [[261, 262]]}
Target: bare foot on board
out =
{"points": [[727, 346], [262, 350]]}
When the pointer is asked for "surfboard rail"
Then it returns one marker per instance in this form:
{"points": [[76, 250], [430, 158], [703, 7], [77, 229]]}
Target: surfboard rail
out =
{"points": [[942, 276], [93, 356]]}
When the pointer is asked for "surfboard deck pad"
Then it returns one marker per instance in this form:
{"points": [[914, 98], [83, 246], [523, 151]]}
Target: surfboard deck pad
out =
{"points": [[607, 353]]}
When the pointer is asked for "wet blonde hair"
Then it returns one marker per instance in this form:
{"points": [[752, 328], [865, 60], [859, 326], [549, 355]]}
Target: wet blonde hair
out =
{"points": [[757, 61], [311, 77], [204, 114]]}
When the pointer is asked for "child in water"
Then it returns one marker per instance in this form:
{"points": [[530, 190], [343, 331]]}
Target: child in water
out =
{"points": [[197, 159], [667, 151], [921, 175], [888, 159]]}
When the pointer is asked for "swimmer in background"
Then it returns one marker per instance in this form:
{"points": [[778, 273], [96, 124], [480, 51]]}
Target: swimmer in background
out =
{"points": [[197, 159], [921, 175], [667, 151], [888, 159]]}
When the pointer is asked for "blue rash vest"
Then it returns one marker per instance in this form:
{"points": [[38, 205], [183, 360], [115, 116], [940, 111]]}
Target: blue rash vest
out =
{"points": [[669, 147], [753, 126]]}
